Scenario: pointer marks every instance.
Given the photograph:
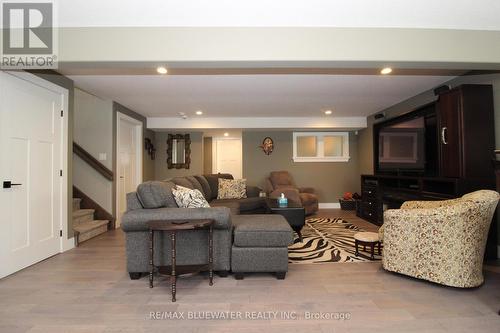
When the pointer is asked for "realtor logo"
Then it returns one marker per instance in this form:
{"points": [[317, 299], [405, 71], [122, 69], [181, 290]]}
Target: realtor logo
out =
{"points": [[28, 35]]}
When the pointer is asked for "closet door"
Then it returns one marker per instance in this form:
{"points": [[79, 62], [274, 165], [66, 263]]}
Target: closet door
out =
{"points": [[31, 196], [449, 115]]}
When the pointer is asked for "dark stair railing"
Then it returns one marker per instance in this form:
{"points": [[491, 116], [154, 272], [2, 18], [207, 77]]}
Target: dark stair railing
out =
{"points": [[93, 162]]}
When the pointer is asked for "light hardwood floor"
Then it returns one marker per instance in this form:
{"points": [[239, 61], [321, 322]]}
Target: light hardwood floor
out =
{"points": [[88, 290]]}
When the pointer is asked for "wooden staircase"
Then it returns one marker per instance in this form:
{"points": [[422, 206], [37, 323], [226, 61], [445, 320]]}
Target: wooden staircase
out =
{"points": [[84, 224], [93, 219]]}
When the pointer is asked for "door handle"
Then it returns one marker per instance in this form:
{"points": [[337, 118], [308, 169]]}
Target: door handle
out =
{"points": [[443, 135], [9, 184]]}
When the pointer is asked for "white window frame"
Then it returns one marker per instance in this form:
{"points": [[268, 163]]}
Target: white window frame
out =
{"points": [[320, 147]]}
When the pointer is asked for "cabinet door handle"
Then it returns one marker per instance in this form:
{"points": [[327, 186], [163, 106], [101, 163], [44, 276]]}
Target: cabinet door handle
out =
{"points": [[443, 135]]}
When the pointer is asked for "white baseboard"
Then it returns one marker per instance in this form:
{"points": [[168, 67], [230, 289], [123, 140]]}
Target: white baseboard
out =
{"points": [[328, 205], [68, 244]]}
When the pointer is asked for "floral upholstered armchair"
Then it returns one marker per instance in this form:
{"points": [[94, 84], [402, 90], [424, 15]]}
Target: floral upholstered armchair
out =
{"points": [[440, 241]]}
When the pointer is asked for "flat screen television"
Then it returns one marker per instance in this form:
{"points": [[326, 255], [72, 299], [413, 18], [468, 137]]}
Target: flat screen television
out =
{"points": [[407, 144]]}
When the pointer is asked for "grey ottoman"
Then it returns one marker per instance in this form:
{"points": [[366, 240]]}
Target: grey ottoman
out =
{"points": [[260, 244]]}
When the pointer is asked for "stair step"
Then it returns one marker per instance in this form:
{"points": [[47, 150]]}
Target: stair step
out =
{"points": [[82, 212], [89, 229], [76, 203], [90, 225], [83, 215]]}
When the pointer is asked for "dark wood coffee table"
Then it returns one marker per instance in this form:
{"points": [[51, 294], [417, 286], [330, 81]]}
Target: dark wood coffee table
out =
{"points": [[174, 226], [294, 213]]}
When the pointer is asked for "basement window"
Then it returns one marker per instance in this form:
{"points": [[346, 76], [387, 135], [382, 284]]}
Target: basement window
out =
{"points": [[321, 146]]}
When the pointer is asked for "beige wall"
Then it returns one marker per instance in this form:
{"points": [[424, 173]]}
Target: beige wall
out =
{"points": [[93, 121], [95, 131], [196, 167], [330, 180]]}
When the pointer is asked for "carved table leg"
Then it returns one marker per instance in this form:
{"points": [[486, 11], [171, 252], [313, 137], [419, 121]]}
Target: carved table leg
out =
{"points": [[211, 255], [173, 278], [151, 265]]}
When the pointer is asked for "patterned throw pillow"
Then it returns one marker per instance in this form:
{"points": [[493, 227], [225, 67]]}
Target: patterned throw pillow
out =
{"points": [[232, 189], [187, 198]]}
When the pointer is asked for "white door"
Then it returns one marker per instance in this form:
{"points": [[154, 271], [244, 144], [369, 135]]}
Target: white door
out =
{"points": [[228, 156], [31, 158], [129, 159]]}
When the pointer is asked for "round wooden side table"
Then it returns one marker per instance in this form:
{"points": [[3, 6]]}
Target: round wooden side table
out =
{"points": [[172, 227]]}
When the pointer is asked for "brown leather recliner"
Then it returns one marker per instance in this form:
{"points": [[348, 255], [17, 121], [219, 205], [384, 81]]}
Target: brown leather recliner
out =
{"points": [[282, 182]]}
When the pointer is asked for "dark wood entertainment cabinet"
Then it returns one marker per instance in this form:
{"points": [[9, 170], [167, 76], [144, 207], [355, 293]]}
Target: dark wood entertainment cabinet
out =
{"points": [[382, 192], [465, 138]]}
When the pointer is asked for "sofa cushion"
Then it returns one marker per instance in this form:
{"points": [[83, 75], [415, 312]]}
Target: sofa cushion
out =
{"points": [[133, 201], [262, 230], [206, 187], [196, 184], [213, 181], [189, 198], [182, 181], [232, 189], [233, 205], [253, 191], [254, 203], [245, 205], [156, 194]]}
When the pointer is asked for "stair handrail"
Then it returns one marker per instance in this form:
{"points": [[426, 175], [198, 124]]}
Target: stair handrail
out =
{"points": [[93, 162]]}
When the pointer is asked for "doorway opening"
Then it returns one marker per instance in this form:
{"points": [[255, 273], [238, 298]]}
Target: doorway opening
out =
{"points": [[227, 155], [129, 133]]}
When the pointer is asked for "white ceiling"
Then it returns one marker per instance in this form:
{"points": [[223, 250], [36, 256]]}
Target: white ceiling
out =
{"points": [[257, 95], [442, 14]]}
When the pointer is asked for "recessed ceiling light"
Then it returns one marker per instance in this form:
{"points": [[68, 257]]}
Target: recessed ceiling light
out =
{"points": [[328, 112], [162, 70], [226, 134], [199, 112], [387, 70]]}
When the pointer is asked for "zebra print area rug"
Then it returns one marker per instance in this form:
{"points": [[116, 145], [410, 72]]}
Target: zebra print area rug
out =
{"points": [[327, 240]]}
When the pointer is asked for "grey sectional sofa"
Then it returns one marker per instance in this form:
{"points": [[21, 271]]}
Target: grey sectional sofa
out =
{"points": [[208, 185], [245, 235]]}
